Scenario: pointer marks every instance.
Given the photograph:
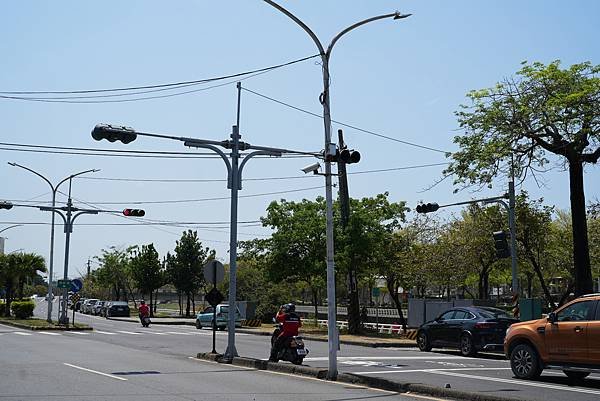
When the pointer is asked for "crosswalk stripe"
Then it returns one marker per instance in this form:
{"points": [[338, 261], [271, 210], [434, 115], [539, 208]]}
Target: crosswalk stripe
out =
{"points": [[22, 334], [49, 333], [130, 332]]}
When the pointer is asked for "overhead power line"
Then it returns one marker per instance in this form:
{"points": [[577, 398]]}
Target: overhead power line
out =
{"points": [[346, 125], [172, 84]]}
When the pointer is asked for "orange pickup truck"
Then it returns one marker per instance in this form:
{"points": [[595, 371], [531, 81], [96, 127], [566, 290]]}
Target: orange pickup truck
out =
{"points": [[568, 340]]}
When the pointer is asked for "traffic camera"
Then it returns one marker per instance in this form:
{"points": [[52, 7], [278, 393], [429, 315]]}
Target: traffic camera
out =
{"points": [[6, 205], [134, 212]]}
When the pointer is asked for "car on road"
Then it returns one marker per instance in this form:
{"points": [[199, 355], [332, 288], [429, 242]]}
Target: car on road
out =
{"points": [[117, 308], [470, 329], [97, 308], [87, 306], [205, 318], [568, 340]]}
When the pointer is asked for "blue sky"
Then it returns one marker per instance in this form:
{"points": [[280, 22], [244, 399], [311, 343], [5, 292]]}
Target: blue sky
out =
{"points": [[403, 79]]}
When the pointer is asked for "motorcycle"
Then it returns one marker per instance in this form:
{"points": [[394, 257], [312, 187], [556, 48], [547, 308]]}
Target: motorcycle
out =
{"points": [[293, 349], [145, 321]]}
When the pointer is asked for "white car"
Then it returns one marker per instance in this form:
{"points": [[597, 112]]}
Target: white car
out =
{"points": [[88, 305]]}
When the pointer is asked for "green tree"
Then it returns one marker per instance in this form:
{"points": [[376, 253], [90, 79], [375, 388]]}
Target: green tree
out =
{"points": [[543, 110], [15, 270], [147, 272], [185, 268], [114, 273]]}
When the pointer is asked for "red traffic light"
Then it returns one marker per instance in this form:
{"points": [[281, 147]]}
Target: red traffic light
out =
{"points": [[134, 212]]}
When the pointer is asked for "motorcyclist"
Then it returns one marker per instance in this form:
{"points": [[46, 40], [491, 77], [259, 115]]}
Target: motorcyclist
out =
{"points": [[143, 310], [290, 323]]}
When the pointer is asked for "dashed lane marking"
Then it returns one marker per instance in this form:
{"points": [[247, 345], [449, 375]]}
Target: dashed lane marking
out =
{"points": [[49, 333], [130, 332], [81, 333], [104, 332], [22, 333], [176, 332]]}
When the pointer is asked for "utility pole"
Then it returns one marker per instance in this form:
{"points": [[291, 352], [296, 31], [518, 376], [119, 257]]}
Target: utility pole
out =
{"points": [[88, 268]]}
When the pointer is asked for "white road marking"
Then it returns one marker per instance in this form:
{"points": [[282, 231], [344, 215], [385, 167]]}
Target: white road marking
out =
{"points": [[95, 371], [423, 370], [382, 358], [176, 332], [105, 332], [49, 333], [130, 332], [81, 333], [519, 382], [22, 333], [158, 333]]}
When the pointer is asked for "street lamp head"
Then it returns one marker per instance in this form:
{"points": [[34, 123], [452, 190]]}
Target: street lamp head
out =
{"points": [[114, 133], [399, 15]]}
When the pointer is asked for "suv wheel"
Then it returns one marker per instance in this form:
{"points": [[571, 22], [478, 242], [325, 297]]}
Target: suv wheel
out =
{"points": [[524, 362], [423, 342], [467, 348], [574, 375]]}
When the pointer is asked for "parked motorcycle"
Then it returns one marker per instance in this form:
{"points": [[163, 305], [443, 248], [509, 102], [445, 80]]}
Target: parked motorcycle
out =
{"points": [[292, 351]]}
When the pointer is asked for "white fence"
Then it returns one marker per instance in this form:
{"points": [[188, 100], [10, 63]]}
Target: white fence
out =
{"points": [[343, 311], [382, 328]]}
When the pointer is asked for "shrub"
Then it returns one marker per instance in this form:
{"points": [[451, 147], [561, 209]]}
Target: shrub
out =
{"points": [[22, 309], [2, 308]]}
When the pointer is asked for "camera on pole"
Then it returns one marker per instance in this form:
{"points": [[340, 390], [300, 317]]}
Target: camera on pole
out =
{"points": [[6, 205], [427, 207], [114, 133], [501, 244], [134, 212]]}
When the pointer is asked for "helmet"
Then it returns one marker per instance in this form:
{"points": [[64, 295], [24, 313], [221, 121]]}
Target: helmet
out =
{"points": [[288, 308], [142, 302]]}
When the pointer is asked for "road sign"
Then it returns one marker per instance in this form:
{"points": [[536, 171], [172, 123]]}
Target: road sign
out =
{"points": [[75, 298], [214, 297], [214, 272], [76, 285], [64, 284]]}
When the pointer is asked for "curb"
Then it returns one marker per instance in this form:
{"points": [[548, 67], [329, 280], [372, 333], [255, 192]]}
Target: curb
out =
{"points": [[37, 328], [375, 382]]}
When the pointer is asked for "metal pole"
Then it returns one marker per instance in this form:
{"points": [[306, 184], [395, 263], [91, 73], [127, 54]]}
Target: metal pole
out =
{"points": [[513, 236], [63, 319], [231, 352], [214, 325], [331, 300], [51, 272]]}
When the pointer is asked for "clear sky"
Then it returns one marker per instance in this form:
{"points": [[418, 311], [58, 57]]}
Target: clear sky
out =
{"points": [[402, 79]]}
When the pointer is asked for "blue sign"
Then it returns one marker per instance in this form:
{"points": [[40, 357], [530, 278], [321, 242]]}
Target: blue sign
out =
{"points": [[76, 285]]}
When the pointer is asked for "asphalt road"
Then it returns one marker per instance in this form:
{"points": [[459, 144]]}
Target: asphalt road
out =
{"points": [[487, 374]]}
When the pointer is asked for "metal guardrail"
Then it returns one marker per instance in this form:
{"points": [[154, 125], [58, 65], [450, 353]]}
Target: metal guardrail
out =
{"points": [[343, 311]]}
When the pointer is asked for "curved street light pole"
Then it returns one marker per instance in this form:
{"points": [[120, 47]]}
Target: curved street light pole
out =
{"points": [[54, 189], [332, 332], [13, 226], [2, 238]]}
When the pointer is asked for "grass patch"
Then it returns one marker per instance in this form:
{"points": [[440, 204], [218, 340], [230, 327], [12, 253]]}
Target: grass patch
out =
{"points": [[39, 323]]}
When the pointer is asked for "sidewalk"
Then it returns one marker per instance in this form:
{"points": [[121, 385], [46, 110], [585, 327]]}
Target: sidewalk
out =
{"points": [[266, 330]]}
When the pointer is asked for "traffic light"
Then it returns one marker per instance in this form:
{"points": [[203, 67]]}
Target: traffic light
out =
{"points": [[349, 156], [114, 133], [427, 207], [6, 205], [501, 244], [134, 212]]}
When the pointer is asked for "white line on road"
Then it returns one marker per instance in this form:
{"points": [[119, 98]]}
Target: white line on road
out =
{"points": [[49, 333], [22, 333], [105, 332], [130, 332], [158, 333], [176, 332], [95, 371], [382, 358], [81, 333], [375, 372], [519, 382]]}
